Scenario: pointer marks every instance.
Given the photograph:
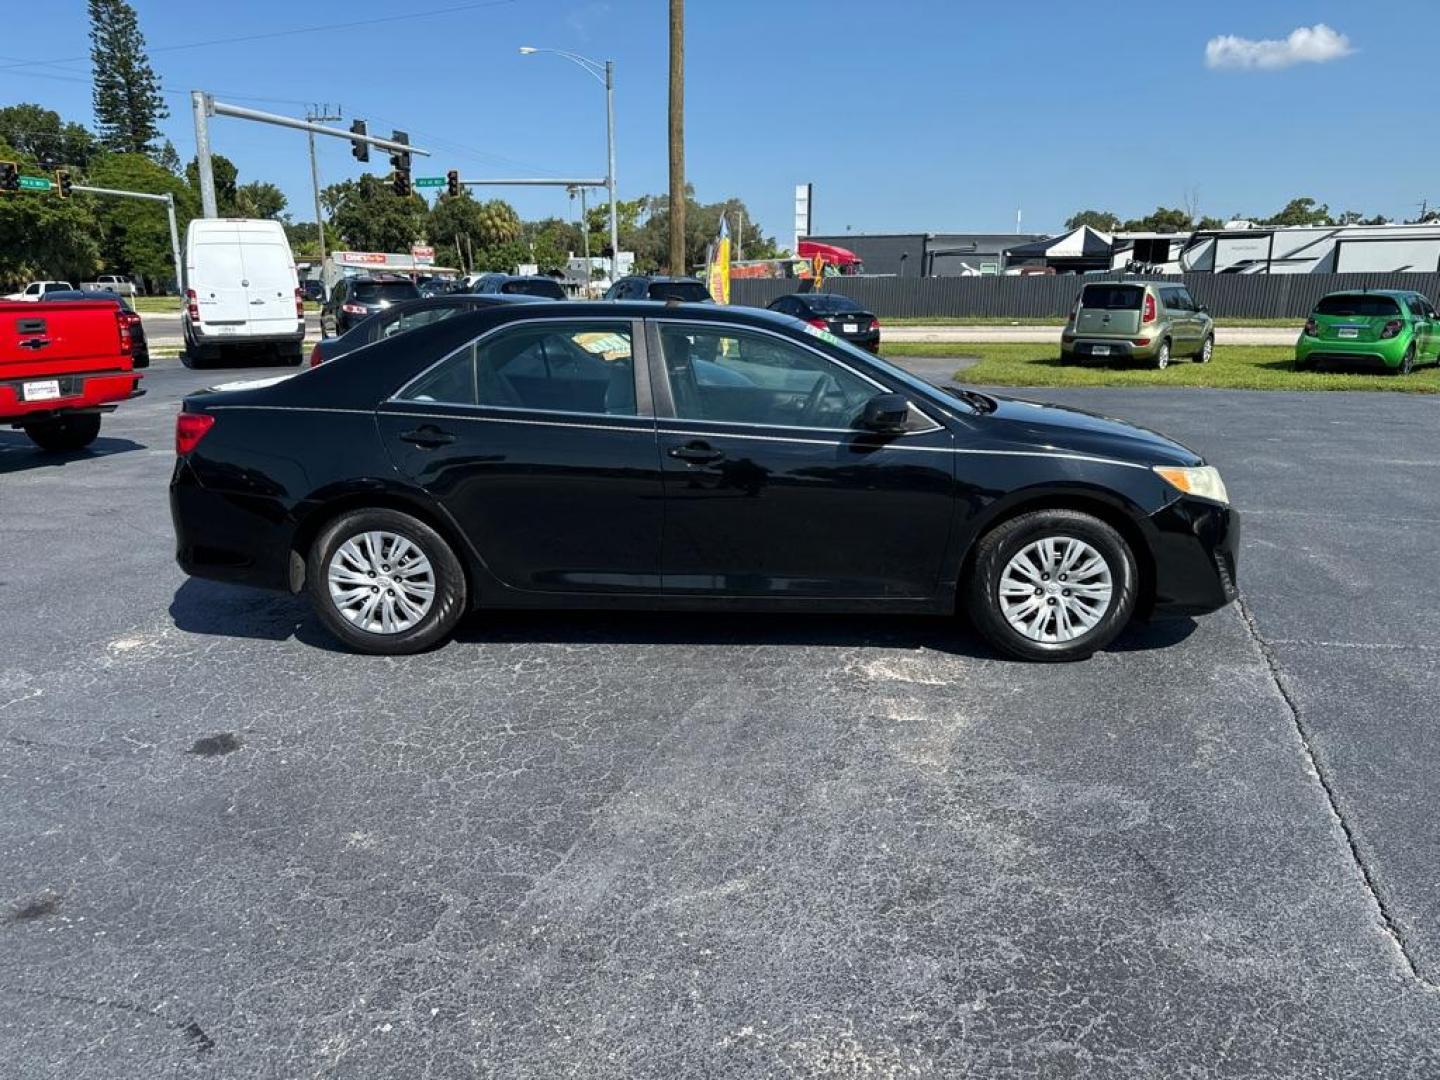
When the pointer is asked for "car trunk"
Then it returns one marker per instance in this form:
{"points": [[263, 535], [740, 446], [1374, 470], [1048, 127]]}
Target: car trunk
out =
{"points": [[269, 293], [1354, 318], [59, 338], [1109, 310], [222, 298]]}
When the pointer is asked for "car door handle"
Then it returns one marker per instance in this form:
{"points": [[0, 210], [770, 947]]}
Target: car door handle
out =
{"points": [[35, 343], [697, 452], [428, 437]]}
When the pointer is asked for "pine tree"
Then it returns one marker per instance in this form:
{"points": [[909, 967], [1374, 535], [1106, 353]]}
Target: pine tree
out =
{"points": [[128, 103]]}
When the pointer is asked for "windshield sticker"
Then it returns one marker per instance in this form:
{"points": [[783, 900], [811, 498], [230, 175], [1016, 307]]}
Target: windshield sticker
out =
{"points": [[823, 335]]}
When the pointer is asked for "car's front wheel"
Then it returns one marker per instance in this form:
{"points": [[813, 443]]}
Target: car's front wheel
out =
{"points": [[1052, 585], [385, 583], [1207, 350]]}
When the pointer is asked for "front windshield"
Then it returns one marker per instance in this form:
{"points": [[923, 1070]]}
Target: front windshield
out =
{"points": [[914, 382]]}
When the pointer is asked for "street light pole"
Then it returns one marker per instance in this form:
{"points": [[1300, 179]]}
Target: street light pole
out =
{"points": [[605, 75]]}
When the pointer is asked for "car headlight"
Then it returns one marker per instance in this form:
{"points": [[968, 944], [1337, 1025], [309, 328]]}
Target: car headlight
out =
{"points": [[1201, 480]]}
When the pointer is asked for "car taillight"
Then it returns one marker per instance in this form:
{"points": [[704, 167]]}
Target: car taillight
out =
{"points": [[299, 303], [819, 324], [1312, 329], [1140, 341], [190, 428], [127, 343], [1391, 328], [1149, 315], [192, 305], [875, 325], [354, 309]]}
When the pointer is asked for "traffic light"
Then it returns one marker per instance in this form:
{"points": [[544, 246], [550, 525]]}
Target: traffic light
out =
{"points": [[452, 182], [400, 162], [62, 182], [9, 176], [360, 150]]}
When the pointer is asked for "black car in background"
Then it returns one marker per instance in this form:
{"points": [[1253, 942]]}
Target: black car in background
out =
{"points": [[685, 457], [536, 285], [356, 298], [687, 290], [313, 291], [838, 314], [139, 348], [406, 316]]}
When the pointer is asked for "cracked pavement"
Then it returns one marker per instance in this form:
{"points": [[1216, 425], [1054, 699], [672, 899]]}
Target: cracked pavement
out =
{"points": [[635, 846]]}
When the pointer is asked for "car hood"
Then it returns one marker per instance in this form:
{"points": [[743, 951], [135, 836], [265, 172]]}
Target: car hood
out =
{"points": [[1030, 425]]}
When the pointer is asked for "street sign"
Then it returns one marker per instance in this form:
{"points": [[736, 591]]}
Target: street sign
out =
{"points": [[429, 181], [40, 183]]}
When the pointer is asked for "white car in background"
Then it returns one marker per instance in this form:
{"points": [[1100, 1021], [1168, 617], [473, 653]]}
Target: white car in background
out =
{"points": [[241, 290], [36, 290]]}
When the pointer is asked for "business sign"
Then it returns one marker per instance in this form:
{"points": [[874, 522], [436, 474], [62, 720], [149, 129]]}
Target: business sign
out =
{"points": [[360, 258], [422, 253], [803, 211]]}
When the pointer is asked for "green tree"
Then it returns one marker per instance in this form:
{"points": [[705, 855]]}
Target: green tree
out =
{"points": [[1210, 223], [369, 216], [226, 188], [260, 199], [491, 230], [126, 95], [305, 238], [41, 134], [42, 236], [169, 158], [1302, 211], [1103, 220], [702, 224], [1164, 220], [135, 235]]}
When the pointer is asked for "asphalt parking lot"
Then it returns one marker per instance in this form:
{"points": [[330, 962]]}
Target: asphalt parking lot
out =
{"points": [[661, 846]]}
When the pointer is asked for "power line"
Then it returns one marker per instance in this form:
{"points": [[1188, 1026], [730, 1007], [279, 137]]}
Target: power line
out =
{"points": [[348, 24]]}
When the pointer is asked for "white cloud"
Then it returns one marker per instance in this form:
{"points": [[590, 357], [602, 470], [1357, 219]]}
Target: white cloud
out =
{"points": [[1316, 44]]}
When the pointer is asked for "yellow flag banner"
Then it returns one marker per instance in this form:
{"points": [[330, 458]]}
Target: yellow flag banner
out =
{"points": [[717, 269]]}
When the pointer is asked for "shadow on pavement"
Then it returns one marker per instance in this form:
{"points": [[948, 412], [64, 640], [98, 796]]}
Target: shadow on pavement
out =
{"points": [[213, 608], [18, 453]]}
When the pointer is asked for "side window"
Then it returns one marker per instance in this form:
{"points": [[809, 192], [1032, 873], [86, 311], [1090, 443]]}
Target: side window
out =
{"points": [[740, 377], [1189, 301], [414, 319], [563, 367], [1171, 298]]}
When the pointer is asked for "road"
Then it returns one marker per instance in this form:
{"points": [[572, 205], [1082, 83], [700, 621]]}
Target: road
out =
{"points": [[666, 845]]}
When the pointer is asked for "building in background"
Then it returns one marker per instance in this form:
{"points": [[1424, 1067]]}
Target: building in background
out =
{"points": [[928, 254]]}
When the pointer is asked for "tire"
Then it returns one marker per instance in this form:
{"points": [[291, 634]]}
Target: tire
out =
{"points": [[445, 577], [73, 432], [1407, 363], [1303, 365], [1000, 550], [1207, 349], [1162, 358]]}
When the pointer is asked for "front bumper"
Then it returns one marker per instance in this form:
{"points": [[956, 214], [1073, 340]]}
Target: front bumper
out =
{"points": [[1195, 546]]}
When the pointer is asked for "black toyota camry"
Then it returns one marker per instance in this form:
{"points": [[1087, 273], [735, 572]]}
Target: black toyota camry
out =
{"points": [[644, 455]]}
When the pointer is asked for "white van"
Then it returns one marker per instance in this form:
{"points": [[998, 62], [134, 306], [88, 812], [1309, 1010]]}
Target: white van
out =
{"points": [[240, 289]]}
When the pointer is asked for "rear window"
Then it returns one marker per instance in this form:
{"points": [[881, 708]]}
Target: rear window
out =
{"points": [[552, 290], [827, 304], [1112, 297], [688, 292], [373, 292], [1363, 306]]}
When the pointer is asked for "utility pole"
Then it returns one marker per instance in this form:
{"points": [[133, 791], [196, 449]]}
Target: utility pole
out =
{"points": [[319, 114], [677, 137]]}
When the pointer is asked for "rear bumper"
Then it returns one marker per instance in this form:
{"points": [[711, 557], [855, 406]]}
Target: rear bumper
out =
{"points": [[1083, 348], [1367, 354], [227, 536], [1195, 547], [97, 391], [215, 336]]}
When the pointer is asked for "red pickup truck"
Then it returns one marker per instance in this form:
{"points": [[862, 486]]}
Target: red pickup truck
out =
{"points": [[62, 364]]}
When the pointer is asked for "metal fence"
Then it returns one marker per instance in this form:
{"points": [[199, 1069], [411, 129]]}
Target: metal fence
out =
{"points": [[1236, 296]]}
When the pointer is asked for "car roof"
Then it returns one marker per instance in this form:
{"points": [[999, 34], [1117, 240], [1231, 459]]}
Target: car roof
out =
{"points": [[1138, 284], [1393, 294]]}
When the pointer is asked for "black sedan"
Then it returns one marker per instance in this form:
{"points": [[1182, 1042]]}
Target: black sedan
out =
{"points": [[834, 313], [139, 347], [624, 455], [403, 317]]}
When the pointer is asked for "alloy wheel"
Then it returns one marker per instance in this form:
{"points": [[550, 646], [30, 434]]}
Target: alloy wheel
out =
{"points": [[381, 582], [1162, 358], [1056, 589]]}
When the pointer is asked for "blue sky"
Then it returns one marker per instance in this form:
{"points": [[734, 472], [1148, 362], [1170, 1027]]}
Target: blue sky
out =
{"points": [[906, 115]]}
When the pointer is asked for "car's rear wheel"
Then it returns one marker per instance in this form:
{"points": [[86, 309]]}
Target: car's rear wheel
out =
{"points": [[1162, 358], [1052, 585], [73, 432], [1207, 350], [385, 583]]}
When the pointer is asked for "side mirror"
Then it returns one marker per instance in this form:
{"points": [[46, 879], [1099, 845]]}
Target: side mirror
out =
{"points": [[888, 413], [1204, 309]]}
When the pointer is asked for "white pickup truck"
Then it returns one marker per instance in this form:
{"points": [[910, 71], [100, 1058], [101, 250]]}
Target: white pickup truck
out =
{"points": [[114, 283], [36, 290]]}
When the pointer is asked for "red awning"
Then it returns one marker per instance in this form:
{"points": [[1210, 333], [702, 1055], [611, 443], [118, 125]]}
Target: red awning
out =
{"points": [[829, 252]]}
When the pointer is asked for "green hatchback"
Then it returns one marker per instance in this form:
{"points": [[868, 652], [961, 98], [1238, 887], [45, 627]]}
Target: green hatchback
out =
{"points": [[1385, 329]]}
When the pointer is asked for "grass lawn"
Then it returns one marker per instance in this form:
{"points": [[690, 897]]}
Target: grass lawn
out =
{"points": [[1058, 320], [162, 305], [1234, 367]]}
